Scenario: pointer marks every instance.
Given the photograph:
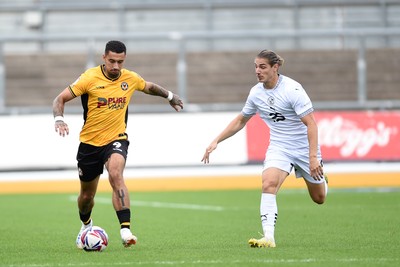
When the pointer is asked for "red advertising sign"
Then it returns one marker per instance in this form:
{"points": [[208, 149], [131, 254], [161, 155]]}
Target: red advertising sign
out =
{"points": [[343, 135]]}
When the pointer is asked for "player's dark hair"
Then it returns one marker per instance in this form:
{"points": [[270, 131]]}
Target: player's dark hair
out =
{"points": [[271, 56], [116, 47]]}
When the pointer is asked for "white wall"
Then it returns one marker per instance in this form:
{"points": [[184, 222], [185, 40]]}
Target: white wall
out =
{"points": [[30, 141]]}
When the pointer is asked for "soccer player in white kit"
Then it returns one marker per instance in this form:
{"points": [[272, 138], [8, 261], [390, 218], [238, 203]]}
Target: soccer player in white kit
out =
{"points": [[285, 107]]}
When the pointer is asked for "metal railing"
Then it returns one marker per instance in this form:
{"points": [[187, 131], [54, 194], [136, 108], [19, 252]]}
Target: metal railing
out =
{"points": [[182, 37], [208, 8]]}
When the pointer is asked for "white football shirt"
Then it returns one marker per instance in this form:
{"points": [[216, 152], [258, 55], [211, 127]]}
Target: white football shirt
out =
{"points": [[281, 109]]}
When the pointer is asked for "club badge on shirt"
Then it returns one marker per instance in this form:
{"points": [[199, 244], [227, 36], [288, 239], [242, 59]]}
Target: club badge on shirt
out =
{"points": [[271, 101], [124, 86]]}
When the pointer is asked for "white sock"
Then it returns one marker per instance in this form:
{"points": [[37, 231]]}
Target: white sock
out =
{"points": [[326, 187], [269, 214]]}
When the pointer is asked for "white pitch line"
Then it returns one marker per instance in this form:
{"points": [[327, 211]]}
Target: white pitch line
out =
{"points": [[214, 262], [156, 204]]}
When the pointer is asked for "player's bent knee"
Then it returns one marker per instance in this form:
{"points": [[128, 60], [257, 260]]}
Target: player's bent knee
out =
{"points": [[86, 197], [269, 186], [319, 199]]}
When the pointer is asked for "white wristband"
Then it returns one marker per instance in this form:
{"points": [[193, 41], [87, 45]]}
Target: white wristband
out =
{"points": [[170, 96], [58, 118]]}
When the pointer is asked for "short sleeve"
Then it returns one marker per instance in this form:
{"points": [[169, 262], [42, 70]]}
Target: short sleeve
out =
{"points": [[301, 102], [138, 82], [79, 87], [249, 108]]}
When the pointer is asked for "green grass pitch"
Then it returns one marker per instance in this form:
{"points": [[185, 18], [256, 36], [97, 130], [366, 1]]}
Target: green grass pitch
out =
{"points": [[206, 228]]}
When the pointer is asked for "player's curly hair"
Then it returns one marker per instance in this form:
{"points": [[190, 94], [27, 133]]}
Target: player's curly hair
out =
{"points": [[272, 57], [115, 46]]}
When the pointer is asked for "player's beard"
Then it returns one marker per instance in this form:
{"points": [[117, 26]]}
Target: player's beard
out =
{"points": [[113, 74]]}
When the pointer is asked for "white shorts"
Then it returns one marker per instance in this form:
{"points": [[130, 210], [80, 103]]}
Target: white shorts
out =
{"points": [[299, 160]]}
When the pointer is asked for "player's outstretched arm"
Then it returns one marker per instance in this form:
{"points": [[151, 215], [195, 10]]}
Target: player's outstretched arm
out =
{"points": [[58, 110], [233, 127], [155, 89], [316, 170]]}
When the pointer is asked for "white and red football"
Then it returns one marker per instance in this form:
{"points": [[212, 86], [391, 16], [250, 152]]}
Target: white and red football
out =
{"points": [[94, 238]]}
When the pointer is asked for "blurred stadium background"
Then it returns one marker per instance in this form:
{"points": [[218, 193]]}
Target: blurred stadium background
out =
{"points": [[346, 53]]}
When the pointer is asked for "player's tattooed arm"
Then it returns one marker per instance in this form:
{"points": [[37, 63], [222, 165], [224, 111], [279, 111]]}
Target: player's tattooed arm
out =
{"points": [[157, 90]]}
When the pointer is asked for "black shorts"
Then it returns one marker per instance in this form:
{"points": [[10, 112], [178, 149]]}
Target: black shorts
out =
{"points": [[91, 159]]}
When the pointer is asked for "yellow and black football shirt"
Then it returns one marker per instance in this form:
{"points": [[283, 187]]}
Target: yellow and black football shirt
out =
{"points": [[105, 104]]}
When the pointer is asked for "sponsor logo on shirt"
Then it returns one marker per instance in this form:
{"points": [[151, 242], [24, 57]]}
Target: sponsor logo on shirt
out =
{"points": [[111, 102]]}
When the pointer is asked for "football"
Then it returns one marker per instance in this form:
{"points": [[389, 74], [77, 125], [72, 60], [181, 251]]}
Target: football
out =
{"points": [[94, 238]]}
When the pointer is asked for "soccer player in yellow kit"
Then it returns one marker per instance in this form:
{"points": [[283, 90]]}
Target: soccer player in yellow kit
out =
{"points": [[106, 91]]}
